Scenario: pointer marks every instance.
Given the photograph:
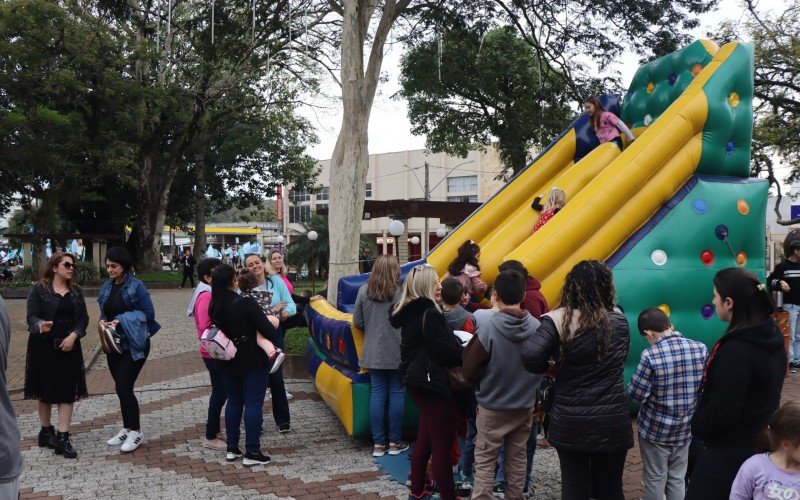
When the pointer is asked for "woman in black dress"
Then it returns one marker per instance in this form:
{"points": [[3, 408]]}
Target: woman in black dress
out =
{"points": [[54, 371]]}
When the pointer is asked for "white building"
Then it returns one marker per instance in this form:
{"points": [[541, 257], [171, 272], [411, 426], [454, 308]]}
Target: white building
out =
{"points": [[402, 176]]}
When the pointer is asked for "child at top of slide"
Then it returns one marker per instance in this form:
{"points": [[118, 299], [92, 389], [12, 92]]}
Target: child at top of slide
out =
{"points": [[555, 202], [606, 124]]}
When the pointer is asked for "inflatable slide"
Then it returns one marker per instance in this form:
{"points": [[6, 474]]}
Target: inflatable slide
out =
{"points": [[665, 214]]}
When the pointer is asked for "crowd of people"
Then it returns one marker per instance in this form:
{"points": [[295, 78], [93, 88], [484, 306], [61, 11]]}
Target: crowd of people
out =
{"points": [[494, 373], [498, 375]]}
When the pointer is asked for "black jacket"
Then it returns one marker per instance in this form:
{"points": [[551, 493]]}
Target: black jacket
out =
{"points": [[787, 271], [743, 386], [426, 351], [240, 318], [590, 412], [42, 305]]}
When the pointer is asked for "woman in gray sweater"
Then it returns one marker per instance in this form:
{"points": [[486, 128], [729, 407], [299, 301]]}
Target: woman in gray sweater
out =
{"points": [[381, 353]]}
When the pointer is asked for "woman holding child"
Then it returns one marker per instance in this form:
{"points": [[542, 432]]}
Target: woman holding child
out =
{"points": [[590, 424], [246, 375], [381, 353], [427, 349]]}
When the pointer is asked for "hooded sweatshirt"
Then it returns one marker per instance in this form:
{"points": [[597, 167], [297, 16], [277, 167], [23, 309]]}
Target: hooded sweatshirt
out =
{"points": [[534, 301], [492, 361], [457, 319], [743, 383]]}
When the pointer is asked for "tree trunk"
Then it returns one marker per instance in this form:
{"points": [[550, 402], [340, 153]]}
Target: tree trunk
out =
{"points": [[200, 202], [350, 159]]}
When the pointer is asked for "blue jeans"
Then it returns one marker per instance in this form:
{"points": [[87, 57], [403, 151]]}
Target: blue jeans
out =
{"points": [[277, 388], [466, 464], [386, 385], [217, 399], [531, 451], [794, 342], [245, 395]]}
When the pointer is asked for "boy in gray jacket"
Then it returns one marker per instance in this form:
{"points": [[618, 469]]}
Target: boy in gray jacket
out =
{"points": [[506, 392]]}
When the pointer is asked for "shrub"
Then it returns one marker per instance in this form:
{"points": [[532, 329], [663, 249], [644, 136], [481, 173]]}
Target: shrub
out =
{"points": [[85, 272]]}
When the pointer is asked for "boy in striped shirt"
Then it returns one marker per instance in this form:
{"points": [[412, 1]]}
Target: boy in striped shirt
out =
{"points": [[666, 385]]}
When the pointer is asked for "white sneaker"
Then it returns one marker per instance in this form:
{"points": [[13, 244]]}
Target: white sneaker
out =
{"points": [[289, 395], [267, 396], [133, 441], [120, 438]]}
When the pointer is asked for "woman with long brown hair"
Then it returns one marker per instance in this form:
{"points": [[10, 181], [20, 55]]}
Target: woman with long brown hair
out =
{"points": [[54, 370], [590, 425], [606, 124], [381, 353]]}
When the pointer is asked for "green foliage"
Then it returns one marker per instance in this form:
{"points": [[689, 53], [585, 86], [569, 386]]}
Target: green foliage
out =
{"points": [[296, 340], [160, 277], [491, 88], [86, 272], [25, 275]]}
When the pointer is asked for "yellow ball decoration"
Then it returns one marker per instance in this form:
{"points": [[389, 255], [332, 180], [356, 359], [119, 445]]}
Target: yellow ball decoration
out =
{"points": [[650, 87], [665, 309], [696, 69], [733, 99], [741, 259], [743, 207]]}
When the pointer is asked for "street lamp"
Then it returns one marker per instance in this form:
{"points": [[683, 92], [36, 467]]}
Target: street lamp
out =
{"points": [[279, 239], [441, 232], [312, 237], [415, 240], [396, 228]]}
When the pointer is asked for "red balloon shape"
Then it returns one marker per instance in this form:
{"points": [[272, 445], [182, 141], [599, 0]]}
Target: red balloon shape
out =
{"points": [[707, 257]]}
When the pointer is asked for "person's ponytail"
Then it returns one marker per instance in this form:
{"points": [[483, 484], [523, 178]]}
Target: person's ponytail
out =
{"points": [[752, 302]]}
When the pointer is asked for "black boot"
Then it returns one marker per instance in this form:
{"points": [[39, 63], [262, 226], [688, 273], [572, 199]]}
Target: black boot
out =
{"points": [[47, 437], [64, 445]]}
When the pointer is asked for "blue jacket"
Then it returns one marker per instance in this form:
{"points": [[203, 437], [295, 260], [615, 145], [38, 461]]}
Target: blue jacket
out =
{"points": [[134, 324], [136, 297], [279, 291]]}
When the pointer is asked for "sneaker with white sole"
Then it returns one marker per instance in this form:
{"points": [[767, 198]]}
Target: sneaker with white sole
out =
{"points": [[134, 439], [397, 448], [233, 454], [378, 450], [120, 438], [289, 395], [277, 361], [214, 444], [255, 458]]}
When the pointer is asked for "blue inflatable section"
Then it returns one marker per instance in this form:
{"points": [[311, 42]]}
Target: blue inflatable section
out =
{"points": [[349, 285]]}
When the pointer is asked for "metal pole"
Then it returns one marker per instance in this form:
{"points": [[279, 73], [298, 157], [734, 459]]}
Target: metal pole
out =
{"points": [[425, 242]]}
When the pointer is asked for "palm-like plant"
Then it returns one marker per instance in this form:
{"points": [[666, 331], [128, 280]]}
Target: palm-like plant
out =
{"points": [[317, 253]]}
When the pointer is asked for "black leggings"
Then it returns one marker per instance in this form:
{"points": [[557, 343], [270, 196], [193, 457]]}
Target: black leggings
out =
{"points": [[188, 273], [125, 371], [591, 475], [715, 471]]}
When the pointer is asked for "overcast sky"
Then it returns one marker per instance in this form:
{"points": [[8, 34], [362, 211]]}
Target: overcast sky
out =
{"points": [[390, 129]]}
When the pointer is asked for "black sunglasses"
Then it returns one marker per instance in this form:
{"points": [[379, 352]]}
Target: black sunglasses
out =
{"points": [[68, 265]]}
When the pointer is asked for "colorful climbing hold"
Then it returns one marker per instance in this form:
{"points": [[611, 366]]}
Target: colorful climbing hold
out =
{"points": [[700, 206], [707, 312], [665, 308], [733, 99], [743, 207], [672, 78], [650, 87], [648, 119], [721, 232], [696, 69], [659, 257], [707, 257], [730, 148], [741, 258]]}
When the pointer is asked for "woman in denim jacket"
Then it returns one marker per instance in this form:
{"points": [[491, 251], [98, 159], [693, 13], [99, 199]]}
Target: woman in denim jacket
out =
{"points": [[54, 370], [127, 321]]}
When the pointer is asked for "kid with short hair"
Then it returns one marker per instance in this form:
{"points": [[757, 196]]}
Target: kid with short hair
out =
{"points": [[666, 385], [453, 294], [248, 286], [775, 474], [506, 392]]}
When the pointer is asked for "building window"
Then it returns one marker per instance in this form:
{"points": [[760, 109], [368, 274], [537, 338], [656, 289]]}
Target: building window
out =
{"points": [[324, 194], [297, 196], [321, 206], [463, 199], [465, 184], [299, 213], [368, 190]]}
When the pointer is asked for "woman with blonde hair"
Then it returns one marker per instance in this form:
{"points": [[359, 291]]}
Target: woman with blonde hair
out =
{"points": [[54, 371], [427, 349], [555, 202], [381, 353]]}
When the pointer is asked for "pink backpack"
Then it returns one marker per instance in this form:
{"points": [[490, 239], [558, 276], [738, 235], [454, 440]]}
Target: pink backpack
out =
{"points": [[217, 344]]}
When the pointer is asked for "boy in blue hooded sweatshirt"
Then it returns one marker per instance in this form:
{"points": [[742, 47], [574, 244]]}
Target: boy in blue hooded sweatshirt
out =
{"points": [[506, 392]]}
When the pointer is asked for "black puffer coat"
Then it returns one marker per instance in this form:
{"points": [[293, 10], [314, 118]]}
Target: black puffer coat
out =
{"points": [[426, 351], [589, 414]]}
